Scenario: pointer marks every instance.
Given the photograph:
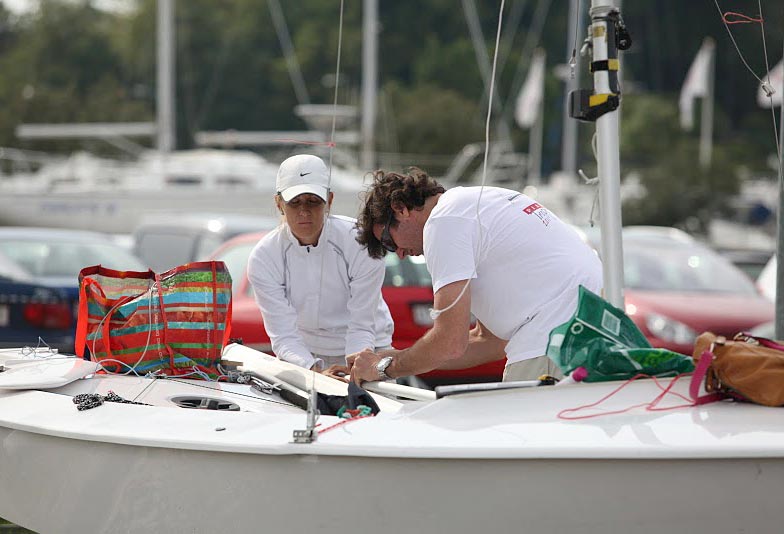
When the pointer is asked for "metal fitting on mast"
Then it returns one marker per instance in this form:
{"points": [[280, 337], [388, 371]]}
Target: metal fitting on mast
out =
{"points": [[606, 35]]}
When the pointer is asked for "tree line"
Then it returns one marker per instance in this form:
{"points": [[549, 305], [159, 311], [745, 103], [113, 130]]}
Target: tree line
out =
{"points": [[71, 62]]}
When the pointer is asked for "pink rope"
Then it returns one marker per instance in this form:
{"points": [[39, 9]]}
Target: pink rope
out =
{"points": [[649, 406], [742, 19], [343, 422]]}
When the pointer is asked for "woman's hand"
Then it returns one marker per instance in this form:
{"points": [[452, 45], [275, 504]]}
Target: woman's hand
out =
{"points": [[338, 372]]}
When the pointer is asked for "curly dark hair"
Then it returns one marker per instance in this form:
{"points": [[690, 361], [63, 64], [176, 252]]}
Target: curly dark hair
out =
{"points": [[410, 190]]}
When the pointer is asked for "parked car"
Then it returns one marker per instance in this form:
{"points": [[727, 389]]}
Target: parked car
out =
{"points": [[750, 261], [407, 291], [29, 310], [39, 291], [677, 288], [164, 241]]}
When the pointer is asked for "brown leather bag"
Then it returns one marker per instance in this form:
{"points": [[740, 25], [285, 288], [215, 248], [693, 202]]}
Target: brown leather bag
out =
{"points": [[745, 368]]}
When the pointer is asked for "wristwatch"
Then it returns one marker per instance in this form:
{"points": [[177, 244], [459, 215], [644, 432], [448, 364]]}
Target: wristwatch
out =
{"points": [[382, 366]]}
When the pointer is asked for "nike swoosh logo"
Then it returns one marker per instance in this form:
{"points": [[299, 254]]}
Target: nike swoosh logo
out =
{"points": [[304, 173]]}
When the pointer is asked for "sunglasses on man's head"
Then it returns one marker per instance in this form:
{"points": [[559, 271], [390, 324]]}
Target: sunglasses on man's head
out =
{"points": [[386, 238]]}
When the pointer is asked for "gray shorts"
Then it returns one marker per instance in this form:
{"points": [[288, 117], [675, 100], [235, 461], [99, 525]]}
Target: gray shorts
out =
{"points": [[531, 369], [341, 360]]}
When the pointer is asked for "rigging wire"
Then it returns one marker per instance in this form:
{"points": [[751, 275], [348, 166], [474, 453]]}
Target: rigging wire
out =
{"points": [[573, 59], [226, 392], [335, 99], [732, 38], [532, 38], [770, 95], [765, 84], [120, 302], [513, 24], [292, 64], [331, 146], [434, 313], [216, 80]]}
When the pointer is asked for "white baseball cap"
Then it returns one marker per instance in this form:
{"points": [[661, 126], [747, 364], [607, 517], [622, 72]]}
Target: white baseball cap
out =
{"points": [[303, 174]]}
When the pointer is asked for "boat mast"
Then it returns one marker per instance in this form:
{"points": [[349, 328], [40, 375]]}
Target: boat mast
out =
{"points": [[608, 150], [165, 89], [570, 126], [706, 117], [607, 35], [369, 82], [536, 130], [779, 330]]}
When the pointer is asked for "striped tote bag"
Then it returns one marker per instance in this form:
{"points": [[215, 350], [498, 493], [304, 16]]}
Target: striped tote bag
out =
{"points": [[175, 323]]}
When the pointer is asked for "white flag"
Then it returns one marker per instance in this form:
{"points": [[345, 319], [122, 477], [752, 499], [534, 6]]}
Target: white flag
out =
{"points": [[529, 101], [696, 84], [776, 76]]}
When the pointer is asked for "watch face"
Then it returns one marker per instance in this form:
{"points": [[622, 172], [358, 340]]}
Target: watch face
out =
{"points": [[382, 365]]}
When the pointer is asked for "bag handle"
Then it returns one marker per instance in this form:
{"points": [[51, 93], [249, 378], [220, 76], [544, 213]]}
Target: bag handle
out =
{"points": [[227, 330], [765, 342], [82, 316], [215, 312], [697, 379], [106, 333], [86, 281], [164, 322]]}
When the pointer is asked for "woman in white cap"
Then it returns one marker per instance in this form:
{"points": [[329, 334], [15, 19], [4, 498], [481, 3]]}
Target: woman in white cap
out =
{"points": [[319, 290]]}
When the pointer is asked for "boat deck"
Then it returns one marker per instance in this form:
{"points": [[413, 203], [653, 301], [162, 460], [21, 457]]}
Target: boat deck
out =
{"points": [[520, 423]]}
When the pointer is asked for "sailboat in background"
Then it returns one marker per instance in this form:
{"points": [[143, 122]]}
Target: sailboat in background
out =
{"points": [[92, 193], [85, 191]]}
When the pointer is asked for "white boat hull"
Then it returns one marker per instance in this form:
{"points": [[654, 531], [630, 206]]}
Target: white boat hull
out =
{"points": [[120, 212], [90, 193], [499, 461], [105, 487]]}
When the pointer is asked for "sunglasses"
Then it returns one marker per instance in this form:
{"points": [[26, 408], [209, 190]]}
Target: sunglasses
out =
{"points": [[386, 238], [308, 202]]}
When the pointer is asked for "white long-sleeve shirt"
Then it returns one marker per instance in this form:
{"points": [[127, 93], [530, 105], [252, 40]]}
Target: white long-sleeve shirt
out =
{"points": [[323, 300]]}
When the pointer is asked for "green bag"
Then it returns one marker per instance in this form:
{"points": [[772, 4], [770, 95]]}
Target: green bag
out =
{"points": [[602, 339]]}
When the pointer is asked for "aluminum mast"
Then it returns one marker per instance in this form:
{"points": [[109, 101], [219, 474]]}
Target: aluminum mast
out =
{"points": [[607, 36]]}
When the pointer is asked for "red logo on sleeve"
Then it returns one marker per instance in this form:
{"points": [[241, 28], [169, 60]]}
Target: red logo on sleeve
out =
{"points": [[532, 208], [540, 211]]}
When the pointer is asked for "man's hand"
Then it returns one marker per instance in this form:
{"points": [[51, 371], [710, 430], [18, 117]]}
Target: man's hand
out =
{"points": [[338, 372], [363, 366]]}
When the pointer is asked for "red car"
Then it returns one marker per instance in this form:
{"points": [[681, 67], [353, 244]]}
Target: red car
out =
{"points": [[676, 288], [407, 291]]}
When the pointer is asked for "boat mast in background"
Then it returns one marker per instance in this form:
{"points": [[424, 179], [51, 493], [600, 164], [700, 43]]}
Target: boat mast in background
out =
{"points": [[292, 64], [706, 117], [369, 82], [780, 237], [480, 50], [607, 35], [165, 91], [570, 126]]}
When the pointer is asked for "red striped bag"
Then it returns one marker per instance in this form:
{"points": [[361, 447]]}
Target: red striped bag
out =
{"points": [[175, 322]]}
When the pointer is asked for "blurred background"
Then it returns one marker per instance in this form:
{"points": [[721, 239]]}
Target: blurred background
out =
{"points": [[243, 66], [159, 125]]}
